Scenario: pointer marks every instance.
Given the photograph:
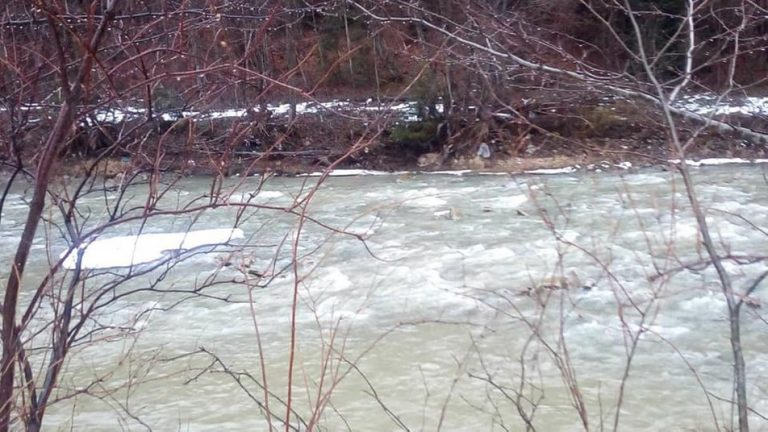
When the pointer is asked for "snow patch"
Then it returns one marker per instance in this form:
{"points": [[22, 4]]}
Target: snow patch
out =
{"points": [[455, 173], [551, 171], [408, 111], [352, 172], [709, 104], [716, 161]]}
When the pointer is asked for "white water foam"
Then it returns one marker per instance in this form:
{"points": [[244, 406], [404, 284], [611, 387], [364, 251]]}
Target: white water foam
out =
{"points": [[251, 197]]}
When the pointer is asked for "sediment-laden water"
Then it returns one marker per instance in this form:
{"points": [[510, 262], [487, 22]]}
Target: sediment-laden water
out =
{"points": [[474, 302]]}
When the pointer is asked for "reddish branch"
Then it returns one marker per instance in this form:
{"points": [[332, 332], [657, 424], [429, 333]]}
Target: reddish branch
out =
{"points": [[58, 135]]}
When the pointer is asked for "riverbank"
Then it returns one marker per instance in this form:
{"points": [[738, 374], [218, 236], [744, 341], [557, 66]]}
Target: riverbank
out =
{"points": [[596, 133], [531, 166], [610, 156]]}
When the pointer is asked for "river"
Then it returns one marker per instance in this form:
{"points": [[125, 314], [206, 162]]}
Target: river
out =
{"points": [[474, 301]]}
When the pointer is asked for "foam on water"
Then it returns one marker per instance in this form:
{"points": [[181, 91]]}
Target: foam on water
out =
{"points": [[365, 225], [492, 257], [504, 201], [262, 196], [705, 304], [426, 201], [330, 279], [423, 198]]}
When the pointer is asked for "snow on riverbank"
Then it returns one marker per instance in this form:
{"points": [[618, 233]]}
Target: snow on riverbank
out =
{"points": [[127, 251], [541, 171], [706, 105], [353, 172], [551, 171], [407, 111], [718, 161]]}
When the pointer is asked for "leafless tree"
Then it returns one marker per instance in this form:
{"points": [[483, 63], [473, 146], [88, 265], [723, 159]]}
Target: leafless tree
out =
{"points": [[115, 84], [660, 67]]}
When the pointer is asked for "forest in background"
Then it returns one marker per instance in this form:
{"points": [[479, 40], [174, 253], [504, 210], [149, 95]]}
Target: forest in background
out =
{"points": [[581, 90]]}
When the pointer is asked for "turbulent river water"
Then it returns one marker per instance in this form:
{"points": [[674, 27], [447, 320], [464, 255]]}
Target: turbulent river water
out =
{"points": [[474, 303]]}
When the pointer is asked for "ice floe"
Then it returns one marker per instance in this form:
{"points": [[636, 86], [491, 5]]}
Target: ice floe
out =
{"points": [[127, 251]]}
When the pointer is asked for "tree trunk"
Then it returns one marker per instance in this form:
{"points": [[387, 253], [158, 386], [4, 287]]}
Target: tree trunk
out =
{"points": [[9, 332]]}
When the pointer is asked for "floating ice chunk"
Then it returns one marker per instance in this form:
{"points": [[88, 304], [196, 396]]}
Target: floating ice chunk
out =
{"points": [[126, 251]]}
